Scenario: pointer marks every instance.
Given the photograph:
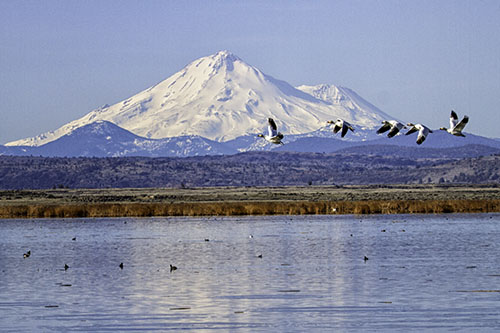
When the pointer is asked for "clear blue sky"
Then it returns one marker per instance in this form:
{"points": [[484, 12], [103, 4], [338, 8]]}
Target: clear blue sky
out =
{"points": [[416, 60]]}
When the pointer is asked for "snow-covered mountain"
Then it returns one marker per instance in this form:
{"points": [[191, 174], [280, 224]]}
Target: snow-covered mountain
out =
{"points": [[217, 105], [220, 97]]}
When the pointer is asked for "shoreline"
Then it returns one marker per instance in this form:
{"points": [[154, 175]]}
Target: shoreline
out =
{"points": [[237, 201]]}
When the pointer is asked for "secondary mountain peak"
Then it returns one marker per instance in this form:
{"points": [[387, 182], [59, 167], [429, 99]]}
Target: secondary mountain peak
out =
{"points": [[326, 92]]}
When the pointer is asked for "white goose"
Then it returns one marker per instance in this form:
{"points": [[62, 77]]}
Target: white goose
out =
{"points": [[423, 131], [274, 136], [456, 127], [341, 124], [393, 126]]}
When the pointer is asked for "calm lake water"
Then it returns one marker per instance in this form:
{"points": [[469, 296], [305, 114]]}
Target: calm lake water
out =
{"points": [[276, 273]]}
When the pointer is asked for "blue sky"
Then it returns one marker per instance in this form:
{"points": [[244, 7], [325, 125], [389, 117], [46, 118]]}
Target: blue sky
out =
{"points": [[415, 60]]}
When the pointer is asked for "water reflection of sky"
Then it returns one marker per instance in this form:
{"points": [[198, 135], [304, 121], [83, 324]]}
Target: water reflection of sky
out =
{"points": [[422, 272]]}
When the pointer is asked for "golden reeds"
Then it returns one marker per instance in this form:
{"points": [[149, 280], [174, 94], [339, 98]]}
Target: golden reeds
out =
{"points": [[228, 208]]}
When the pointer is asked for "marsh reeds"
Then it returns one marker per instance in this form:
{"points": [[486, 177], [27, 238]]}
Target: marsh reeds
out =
{"points": [[233, 208]]}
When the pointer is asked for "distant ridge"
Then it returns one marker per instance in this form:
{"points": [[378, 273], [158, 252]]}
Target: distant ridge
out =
{"points": [[105, 139], [248, 169]]}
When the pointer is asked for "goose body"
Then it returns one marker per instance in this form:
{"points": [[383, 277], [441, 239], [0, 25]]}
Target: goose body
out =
{"points": [[341, 124], [393, 126], [423, 131], [456, 127], [273, 135]]}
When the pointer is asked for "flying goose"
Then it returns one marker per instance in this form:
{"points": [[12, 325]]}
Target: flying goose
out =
{"points": [[393, 126], [341, 124], [274, 136], [423, 131], [455, 126]]}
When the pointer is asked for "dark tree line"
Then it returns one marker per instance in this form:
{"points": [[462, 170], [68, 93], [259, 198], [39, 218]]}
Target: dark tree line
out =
{"points": [[246, 169]]}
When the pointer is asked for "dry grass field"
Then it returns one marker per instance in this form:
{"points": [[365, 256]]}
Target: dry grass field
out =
{"points": [[226, 201]]}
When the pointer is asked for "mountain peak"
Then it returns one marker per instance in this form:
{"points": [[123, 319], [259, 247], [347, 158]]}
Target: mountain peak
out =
{"points": [[220, 60], [225, 55]]}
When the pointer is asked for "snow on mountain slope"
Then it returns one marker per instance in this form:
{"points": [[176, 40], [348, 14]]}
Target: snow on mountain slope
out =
{"points": [[220, 97]]}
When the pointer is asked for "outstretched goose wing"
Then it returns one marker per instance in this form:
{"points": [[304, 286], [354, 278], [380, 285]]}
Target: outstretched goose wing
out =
{"points": [[384, 128], [460, 126], [273, 129], [420, 138], [345, 128], [393, 132], [422, 134], [413, 129], [453, 120]]}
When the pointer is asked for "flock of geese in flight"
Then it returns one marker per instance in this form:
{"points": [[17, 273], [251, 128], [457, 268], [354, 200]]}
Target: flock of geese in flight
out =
{"points": [[393, 126]]}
